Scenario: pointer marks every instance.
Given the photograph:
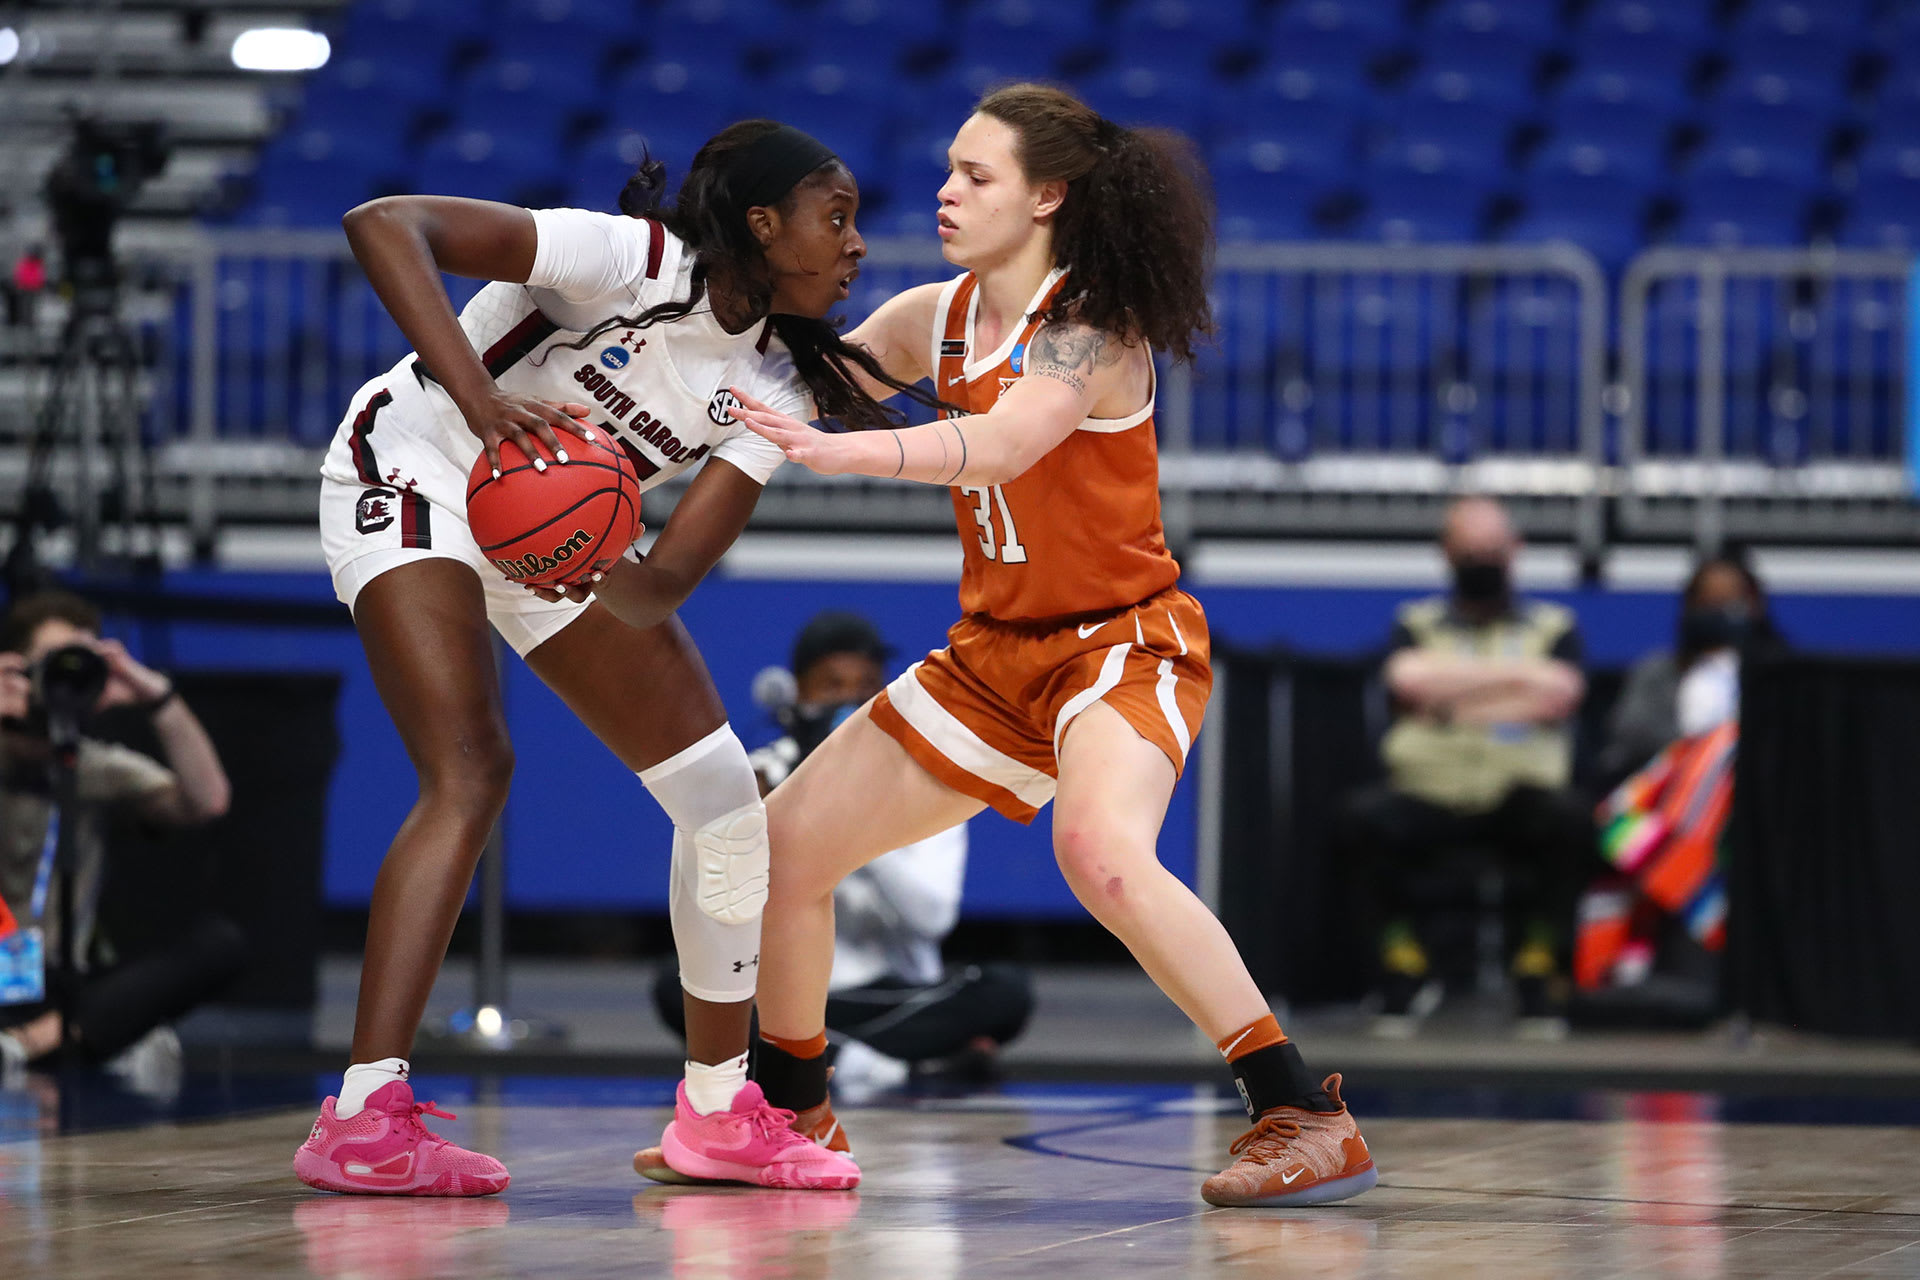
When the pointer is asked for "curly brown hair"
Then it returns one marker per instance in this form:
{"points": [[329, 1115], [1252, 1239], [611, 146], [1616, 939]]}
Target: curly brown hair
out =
{"points": [[1136, 227]]}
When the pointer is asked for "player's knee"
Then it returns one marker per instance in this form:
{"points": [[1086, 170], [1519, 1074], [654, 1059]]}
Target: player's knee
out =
{"points": [[472, 774], [730, 865], [1086, 854]]}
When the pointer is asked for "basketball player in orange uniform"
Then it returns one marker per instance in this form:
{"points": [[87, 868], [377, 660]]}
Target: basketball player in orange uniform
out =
{"points": [[1079, 673]]}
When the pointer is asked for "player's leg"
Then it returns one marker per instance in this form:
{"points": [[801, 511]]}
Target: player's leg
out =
{"points": [[857, 796], [1113, 794], [423, 625], [648, 696], [670, 728]]}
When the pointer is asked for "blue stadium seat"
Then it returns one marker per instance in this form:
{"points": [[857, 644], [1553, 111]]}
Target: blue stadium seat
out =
{"points": [[1599, 158], [1884, 214], [1270, 186], [1751, 137], [1605, 88], [1688, 22], [973, 72], [1406, 206], [997, 32], [1731, 209], [1846, 19], [426, 27], [1652, 68], [1510, 89], [840, 26], [1468, 138], [1897, 113], [916, 167], [568, 35], [1314, 64], [507, 94], [1784, 87], [663, 95], [1630, 137], [1148, 95], [309, 177], [1889, 159], [513, 167], [601, 167], [1296, 142], [1179, 36], [1602, 213], [1811, 56], [384, 109], [1500, 51], [719, 34], [1529, 20], [1379, 23]]}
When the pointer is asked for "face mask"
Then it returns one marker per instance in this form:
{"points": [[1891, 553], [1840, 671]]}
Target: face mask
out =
{"points": [[810, 723], [1480, 581], [1702, 630]]}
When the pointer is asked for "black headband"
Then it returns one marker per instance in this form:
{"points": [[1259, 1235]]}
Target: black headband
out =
{"points": [[763, 171]]}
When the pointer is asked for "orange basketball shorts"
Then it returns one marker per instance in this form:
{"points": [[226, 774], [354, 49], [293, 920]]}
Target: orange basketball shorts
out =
{"points": [[986, 715]]}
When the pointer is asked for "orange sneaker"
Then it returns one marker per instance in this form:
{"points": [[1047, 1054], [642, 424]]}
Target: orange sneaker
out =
{"points": [[1293, 1157], [818, 1123]]}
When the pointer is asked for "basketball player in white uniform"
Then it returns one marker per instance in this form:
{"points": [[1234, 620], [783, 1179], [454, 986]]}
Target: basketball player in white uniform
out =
{"points": [[634, 326]]}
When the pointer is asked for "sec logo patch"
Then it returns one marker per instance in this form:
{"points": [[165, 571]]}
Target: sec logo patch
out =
{"points": [[721, 407]]}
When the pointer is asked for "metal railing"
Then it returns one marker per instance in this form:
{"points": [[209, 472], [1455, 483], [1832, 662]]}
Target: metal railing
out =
{"points": [[1350, 387], [1764, 393]]}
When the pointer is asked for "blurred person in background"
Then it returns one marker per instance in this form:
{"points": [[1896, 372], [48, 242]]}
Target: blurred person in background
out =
{"points": [[1653, 926], [1723, 615], [121, 1010], [893, 1006], [1484, 685]]}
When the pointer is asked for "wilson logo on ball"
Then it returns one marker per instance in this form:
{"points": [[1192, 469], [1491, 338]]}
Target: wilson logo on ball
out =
{"points": [[533, 566]]}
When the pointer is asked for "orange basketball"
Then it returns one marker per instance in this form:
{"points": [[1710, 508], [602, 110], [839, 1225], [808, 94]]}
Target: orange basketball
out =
{"points": [[544, 528]]}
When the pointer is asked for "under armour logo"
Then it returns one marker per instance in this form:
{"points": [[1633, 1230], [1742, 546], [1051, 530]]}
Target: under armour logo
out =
{"points": [[740, 966], [628, 340], [393, 478]]}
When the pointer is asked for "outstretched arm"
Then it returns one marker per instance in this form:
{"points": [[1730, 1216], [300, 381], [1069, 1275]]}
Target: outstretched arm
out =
{"points": [[1070, 367], [404, 243]]}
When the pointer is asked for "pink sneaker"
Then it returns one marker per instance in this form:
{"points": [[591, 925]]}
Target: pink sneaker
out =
{"points": [[386, 1151], [752, 1142]]}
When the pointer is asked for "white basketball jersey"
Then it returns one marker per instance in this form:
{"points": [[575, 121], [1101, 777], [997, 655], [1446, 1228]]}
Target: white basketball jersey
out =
{"points": [[662, 391]]}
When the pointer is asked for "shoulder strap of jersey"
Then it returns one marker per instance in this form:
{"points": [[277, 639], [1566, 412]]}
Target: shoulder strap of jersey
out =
{"points": [[950, 319]]}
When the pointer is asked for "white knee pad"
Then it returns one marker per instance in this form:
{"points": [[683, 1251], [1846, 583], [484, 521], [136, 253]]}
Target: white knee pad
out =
{"points": [[719, 961], [730, 859], [719, 877]]}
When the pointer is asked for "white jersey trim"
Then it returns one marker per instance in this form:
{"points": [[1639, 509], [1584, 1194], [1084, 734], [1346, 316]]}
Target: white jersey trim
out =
{"points": [[940, 313], [952, 739], [1113, 426], [974, 368], [1110, 672]]}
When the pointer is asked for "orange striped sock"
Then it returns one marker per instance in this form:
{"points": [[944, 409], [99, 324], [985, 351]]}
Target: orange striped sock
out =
{"points": [[1261, 1033], [811, 1047]]}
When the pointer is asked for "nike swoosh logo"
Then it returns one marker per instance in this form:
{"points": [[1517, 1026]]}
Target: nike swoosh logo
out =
{"points": [[1287, 1180], [1087, 631], [956, 380], [1228, 1051]]}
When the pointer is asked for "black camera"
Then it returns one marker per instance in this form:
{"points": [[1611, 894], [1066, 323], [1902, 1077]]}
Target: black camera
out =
{"points": [[103, 168], [67, 682]]}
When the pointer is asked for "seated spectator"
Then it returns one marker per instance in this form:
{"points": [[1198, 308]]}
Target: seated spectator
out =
{"points": [[1484, 686], [1651, 928], [893, 1005], [1723, 613], [115, 1006]]}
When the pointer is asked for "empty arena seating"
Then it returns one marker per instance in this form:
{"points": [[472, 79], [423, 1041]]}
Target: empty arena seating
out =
{"points": [[1615, 124]]}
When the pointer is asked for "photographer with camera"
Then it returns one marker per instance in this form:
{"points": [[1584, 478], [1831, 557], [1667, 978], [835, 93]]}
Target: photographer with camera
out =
{"points": [[893, 1006], [56, 674]]}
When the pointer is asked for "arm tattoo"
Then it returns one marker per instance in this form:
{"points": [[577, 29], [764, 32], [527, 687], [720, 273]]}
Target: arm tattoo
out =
{"points": [[903, 454], [1070, 352]]}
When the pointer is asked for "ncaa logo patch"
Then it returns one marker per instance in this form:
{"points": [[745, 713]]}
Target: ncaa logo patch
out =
{"points": [[1018, 359], [615, 357], [721, 407], [374, 511]]}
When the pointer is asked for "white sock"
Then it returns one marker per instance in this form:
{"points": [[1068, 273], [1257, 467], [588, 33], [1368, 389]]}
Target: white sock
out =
{"points": [[711, 1089], [363, 1079]]}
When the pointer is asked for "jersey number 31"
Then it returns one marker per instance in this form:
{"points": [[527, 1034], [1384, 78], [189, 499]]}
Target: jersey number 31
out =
{"points": [[1009, 551]]}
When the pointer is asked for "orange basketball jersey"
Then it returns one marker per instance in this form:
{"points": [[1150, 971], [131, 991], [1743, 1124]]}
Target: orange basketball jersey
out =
{"points": [[1080, 531]]}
